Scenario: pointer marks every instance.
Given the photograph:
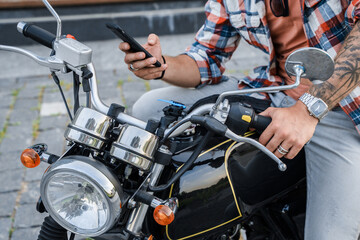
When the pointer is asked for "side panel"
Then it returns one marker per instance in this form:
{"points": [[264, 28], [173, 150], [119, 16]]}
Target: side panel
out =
{"points": [[256, 177]]}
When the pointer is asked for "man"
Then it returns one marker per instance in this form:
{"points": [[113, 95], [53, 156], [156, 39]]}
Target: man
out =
{"points": [[279, 27]]}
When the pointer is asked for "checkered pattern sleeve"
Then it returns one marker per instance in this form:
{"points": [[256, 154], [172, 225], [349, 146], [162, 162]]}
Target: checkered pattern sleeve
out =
{"points": [[215, 43], [353, 12]]}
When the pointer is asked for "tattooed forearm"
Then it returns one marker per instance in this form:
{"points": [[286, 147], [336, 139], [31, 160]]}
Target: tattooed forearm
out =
{"points": [[346, 75]]}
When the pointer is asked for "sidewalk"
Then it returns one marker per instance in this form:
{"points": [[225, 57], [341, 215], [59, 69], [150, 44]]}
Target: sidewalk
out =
{"points": [[31, 112]]}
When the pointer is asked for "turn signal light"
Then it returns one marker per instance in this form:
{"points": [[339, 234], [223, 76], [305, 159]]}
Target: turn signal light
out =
{"points": [[163, 215], [30, 158]]}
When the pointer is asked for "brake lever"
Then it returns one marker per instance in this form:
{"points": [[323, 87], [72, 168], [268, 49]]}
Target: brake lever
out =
{"points": [[53, 63], [281, 165]]}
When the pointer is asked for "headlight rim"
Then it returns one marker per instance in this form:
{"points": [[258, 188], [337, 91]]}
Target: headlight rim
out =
{"points": [[114, 197]]}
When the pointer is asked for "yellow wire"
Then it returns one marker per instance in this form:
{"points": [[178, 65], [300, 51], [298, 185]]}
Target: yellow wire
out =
{"points": [[227, 153]]}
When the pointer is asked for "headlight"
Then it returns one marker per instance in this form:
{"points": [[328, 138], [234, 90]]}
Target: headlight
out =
{"points": [[82, 195]]}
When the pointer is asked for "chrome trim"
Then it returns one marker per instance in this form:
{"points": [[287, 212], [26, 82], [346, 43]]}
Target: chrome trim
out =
{"points": [[135, 146], [83, 138], [137, 216], [282, 166], [202, 110], [299, 70], [51, 62], [58, 20], [100, 106], [88, 127], [98, 174], [20, 27]]}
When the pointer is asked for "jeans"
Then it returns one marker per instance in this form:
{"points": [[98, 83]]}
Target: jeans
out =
{"points": [[332, 162]]}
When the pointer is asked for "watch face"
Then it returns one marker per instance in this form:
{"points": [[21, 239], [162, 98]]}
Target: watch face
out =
{"points": [[318, 108]]}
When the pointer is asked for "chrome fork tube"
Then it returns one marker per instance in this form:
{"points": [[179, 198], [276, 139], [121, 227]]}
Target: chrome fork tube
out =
{"points": [[137, 216]]}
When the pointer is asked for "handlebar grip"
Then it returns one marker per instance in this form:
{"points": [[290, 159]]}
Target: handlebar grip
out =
{"points": [[36, 33], [260, 123]]}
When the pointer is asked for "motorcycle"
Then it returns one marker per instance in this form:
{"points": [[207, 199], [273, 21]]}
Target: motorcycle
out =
{"points": [[192, 174]]}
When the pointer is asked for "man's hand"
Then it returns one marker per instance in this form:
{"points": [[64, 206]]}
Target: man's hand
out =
{"points": [[144, 68], [291, 128]]}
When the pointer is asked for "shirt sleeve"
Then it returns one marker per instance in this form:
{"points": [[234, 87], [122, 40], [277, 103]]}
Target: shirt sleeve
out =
{"points": [[353, 12], [214, 44]]}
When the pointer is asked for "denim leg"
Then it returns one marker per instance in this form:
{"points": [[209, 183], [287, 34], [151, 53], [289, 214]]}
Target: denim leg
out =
{"points": [[333, 180]]}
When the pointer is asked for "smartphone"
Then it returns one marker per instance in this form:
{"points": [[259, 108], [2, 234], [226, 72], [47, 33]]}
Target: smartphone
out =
{"points": [[134, 45]]}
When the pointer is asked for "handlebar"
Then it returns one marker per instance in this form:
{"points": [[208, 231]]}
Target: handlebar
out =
{"points": [[241, 118], [260, 123], [36, 33]]}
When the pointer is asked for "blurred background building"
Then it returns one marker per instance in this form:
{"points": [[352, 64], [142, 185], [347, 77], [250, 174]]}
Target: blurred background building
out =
{"points": [[85, 19]]}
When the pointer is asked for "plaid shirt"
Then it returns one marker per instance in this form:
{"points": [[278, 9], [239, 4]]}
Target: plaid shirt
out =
{"points": [[326, 24]]}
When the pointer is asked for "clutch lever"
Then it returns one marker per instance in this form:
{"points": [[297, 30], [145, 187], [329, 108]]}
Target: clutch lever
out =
{"points": [[217, 127], [53, 63]]}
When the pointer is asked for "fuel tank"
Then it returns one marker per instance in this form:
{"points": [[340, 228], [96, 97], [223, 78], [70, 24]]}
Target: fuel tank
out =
{"points": [[217, 192]]}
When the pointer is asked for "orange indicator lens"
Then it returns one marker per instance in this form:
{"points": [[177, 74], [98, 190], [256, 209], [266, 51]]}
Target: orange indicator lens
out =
{"points": [[30, 158], [163, 215]]}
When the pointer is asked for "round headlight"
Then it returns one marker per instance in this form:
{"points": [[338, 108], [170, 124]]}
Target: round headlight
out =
{"points": [[82, 195]]}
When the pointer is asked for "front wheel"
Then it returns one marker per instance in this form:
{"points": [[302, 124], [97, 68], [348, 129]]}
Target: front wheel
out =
{"points": [[51, 230]]}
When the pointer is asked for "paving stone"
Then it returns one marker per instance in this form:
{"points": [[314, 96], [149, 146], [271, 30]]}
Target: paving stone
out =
{"points": [[26, 104], [132, 91], [29, 92], [35, 174], [17, 138], [107, 78], [50, 122], [9, 83], [3, 116], [54, 138], [5, 226], [31, 192], [53, 109], [35, 80], [5, 100], [54, 95], [7, 203], [22, 219], [11, 180], [10, 161], [25, 233], [24, 116], [109, 92], [117, 100]]}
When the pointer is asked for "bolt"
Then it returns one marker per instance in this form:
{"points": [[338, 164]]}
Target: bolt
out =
{"points": [[131, 203], [285, 209]]}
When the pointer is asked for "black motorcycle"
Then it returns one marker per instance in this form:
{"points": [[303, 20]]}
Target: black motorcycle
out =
{"points": [[193, 174]]}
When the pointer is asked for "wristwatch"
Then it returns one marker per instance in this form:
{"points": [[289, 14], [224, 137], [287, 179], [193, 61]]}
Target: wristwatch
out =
{"points": [[316, 106]]}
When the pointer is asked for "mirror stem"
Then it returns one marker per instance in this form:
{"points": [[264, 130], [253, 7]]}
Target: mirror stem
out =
{"points": [[299, 70], [58, 20]]}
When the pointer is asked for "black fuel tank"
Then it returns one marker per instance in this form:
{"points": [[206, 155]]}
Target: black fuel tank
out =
{"points": [[213, 192]]}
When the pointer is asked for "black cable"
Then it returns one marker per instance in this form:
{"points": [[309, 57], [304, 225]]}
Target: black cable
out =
{"points": [[76, 87], [57, 81], [186, 166]]}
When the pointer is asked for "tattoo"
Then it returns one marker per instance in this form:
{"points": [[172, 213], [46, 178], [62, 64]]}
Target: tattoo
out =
{"points": [[346, 75]]}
